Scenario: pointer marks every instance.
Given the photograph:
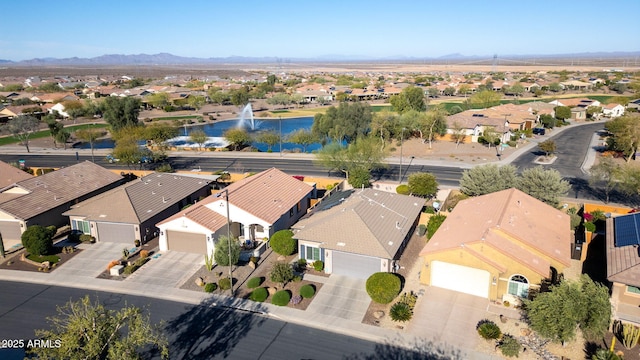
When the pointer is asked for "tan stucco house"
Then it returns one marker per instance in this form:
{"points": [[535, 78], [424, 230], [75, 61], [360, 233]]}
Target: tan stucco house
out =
{"points": [[498, 246]]}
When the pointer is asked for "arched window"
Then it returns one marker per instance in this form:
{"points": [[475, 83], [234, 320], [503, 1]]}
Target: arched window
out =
{"points": [[518, 286]]}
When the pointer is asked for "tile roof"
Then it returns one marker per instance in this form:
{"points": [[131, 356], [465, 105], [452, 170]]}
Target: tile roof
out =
{"points": [[11, 174], [511, 222], [139, 200], [468, 121], [623, 262], [56, 188], [268, 194], [367, 222]]}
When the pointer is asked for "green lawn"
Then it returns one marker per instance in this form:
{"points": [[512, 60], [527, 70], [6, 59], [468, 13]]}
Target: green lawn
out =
{"points": [[6, 140], [50, 258], [279, 111], [182, 117]]}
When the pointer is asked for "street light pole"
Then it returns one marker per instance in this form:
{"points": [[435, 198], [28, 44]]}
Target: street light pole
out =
{"points": [[400, 175], [226, 196]]}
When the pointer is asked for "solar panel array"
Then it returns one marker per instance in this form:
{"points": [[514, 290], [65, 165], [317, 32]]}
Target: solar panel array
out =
{"points": [[627, 230]]}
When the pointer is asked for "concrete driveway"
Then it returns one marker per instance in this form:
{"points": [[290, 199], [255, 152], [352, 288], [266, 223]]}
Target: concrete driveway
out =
{"points": [[170, 269], [91, 261], [342, 297], [448, 316]]}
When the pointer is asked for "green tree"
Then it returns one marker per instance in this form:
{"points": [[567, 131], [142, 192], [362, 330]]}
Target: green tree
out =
{"points": [[158, 100], [570, 305], [271, 138], [485, 99], [90, 135], [410, 98], [593, 111], [555, 87], [458, 133], [562, 112], [221, 253], [356, 160], [434, 224], [545, 185], [22, 127], [423, 184], [490, 136], [199, 137], [382, 125], [625, 131], [272, 79], [49, 87], [283, 243], [240, 96], [279, 99], [548, 146], [237, 138], [62, 137], [121, 112], [54, 128], [196, 101], [282, 273], [606, 175], [160, 133], [432, 124], [346, 122], [548, 121], [87, 330], [487, 179], [74, 108], [628, 177], [303, 137], [219, 97], [38, 240], [516, 90]]}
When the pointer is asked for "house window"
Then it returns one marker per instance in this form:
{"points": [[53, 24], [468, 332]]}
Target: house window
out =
{"points": [[291, 212], [298, 207], [80, 226], [519, 286], [310, 253], [633, 290]]}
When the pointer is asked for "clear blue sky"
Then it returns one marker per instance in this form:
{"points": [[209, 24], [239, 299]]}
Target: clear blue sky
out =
{"points": [[302, 29]]}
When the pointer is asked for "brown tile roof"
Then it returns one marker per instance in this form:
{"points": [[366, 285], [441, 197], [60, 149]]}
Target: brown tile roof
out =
{"points": [[10, 175], [57, 188], [367, 222], [268, 194], [139, 200], [623, 262], [468, 121], [511, 222]]}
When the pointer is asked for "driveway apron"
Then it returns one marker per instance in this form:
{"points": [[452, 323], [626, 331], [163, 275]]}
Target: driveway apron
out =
{"points": [[342, 297], [170, 269]]}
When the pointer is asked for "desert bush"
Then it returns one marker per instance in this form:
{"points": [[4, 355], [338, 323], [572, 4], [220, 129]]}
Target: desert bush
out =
{"points": [[283, 243], [130, 269], [318, 265], [281, 273], [141, 261], [509, 346], [259, 294], [589, 226], [254, 282], [307, 291], [400, 312], [224, 283], [281, 298], [87, 238], [297, 278], [383, 287], [144, 254], [136, 242], [434, 223], [210, 287], [402, 189], [488, 330], [296, 299]]}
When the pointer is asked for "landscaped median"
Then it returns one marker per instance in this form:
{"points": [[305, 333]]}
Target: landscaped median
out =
{"points": [[132, 260]]}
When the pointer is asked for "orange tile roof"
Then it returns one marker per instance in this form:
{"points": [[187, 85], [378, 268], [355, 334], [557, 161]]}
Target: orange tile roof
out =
{"points": [[11, 175]]}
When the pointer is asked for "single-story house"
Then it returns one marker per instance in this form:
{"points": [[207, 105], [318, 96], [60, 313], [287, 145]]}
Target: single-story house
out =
{"points": [[130, 212], [258, 206], [358, 232], [498, 246], [613, 110], [473, 124], [10, 175], [623, 265], [42, 200]]}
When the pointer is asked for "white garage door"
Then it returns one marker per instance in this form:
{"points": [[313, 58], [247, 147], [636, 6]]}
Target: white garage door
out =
{"points": [[118, 233], [353, 265], [460, 278]]}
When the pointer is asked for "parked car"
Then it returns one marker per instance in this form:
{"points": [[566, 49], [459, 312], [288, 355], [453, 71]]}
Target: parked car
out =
{"points": [[539, 131], [111, 159]]}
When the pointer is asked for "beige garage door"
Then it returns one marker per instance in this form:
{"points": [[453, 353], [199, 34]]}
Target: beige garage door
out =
{"points": [[187, 242], [460, 278]]}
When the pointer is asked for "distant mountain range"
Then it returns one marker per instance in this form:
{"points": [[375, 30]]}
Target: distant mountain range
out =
{"points": [[170, 59]]}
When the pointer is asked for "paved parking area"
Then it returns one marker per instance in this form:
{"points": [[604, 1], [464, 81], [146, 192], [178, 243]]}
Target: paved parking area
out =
{"points": [[91, 261], [170, 269], [445, 315], [343, 297]]}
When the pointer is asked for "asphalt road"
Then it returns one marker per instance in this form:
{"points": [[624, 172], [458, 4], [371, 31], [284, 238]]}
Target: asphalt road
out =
{"points": [[195, 332]]}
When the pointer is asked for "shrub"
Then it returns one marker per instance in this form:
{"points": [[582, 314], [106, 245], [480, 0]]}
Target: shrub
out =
{"points": [[488, 330], [38, 240], [434, 223], [296, 299], [302, 263], [283, 243], [210, 287], [422, 229], [112, 264], [400, 312], [509, 346], [402, 189], [141, 261], [383, 287], [281, 273], [224, 283], [297, 278], [87, 238], [589, 226], [281, 298], [318, 265], [255, 282], [307, 291], [259, 294], [130, 269], [144, 254], [136, 243]]}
